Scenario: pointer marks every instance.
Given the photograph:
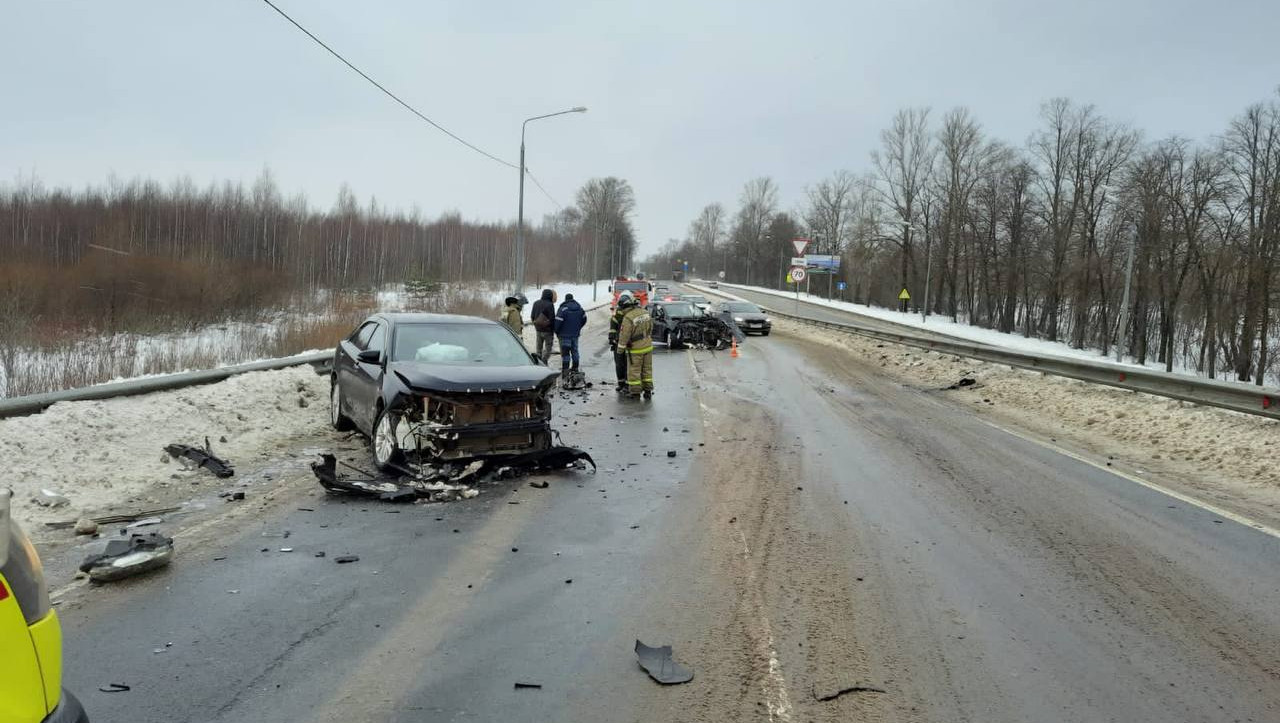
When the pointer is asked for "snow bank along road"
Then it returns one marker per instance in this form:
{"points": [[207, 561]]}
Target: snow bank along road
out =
{"points": [[823, 526]]}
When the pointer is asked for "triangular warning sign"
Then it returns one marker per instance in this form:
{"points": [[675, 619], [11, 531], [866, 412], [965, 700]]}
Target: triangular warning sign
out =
{"points": [[904, 296], [800, 244]]}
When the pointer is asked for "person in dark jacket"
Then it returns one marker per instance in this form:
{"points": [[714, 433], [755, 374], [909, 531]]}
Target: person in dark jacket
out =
{"points": [[543, 315], [569, 322]]}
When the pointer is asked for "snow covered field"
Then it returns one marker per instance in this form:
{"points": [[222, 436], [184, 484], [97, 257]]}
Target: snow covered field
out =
{"points": [[96, 359]]}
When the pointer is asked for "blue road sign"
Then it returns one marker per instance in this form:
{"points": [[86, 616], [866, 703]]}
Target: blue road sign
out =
{"points": [[841, 286]]}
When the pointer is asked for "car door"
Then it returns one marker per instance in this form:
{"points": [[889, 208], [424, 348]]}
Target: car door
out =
{"points": [[367, 377], [344, 366]]}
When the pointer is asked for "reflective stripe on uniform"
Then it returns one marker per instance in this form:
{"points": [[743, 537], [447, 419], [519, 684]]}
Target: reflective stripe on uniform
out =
{"points": [[645, 350]]}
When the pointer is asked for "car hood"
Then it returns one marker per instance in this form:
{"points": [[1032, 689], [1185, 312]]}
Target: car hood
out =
{"points": [[471, 378]]}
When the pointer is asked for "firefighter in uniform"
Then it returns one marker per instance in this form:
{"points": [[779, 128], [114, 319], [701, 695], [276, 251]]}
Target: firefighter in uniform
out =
{"points": [[635, 336], [619, 355]]}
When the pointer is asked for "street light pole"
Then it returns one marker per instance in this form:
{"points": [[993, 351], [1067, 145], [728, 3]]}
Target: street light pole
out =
{"points": [[520, 212]]}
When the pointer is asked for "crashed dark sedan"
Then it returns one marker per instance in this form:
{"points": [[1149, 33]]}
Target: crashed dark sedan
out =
{"points": [[440, 387]]}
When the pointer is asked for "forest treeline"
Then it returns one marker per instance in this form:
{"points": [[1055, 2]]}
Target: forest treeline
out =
{"points": [[1042, 237], [140, 255]]}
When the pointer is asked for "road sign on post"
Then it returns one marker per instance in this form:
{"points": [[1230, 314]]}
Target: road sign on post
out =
{"points": [[797, 274], [721, 274], [800, 244]]}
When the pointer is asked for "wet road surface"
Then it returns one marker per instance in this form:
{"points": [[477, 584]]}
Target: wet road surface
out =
{"points": [[820, 528]]}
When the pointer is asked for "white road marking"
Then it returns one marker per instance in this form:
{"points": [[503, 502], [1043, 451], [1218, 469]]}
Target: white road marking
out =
{"points": [[1206, 506], [775, 686]]}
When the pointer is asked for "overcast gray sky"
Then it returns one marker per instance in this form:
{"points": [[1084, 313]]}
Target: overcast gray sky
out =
{"points": [[687, 99]]}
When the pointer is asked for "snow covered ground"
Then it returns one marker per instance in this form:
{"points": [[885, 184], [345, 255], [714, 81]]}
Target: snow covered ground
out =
{"points": [[97, 359], [109, 455], [944, 325]]}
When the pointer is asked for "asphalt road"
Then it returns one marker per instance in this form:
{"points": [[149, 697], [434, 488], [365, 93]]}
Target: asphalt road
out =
{"points": [[820, 528]]}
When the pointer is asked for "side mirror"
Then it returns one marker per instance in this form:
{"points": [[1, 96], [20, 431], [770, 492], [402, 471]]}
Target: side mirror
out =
{"points": [[369, 356]]}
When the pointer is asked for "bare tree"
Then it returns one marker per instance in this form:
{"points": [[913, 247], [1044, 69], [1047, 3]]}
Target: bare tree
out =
{"points": [[904, 165]]}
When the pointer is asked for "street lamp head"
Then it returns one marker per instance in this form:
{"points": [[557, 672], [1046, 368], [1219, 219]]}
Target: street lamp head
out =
{"points": [[579, 109]]}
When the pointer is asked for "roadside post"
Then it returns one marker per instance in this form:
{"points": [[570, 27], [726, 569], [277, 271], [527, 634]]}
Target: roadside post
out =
{"points": [[903, 298]]}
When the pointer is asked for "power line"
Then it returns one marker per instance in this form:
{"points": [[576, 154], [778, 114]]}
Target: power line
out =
{"points": [[391, 95], [544, 191]]}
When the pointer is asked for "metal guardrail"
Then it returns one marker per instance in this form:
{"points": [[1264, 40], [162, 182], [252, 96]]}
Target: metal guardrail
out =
{"points": [[19, 406], [1249, 399]]}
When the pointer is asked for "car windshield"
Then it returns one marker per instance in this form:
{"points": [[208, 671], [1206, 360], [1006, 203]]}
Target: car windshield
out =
{"points": [[631, 286], [458, 344], [742, 307], [680, 309]]}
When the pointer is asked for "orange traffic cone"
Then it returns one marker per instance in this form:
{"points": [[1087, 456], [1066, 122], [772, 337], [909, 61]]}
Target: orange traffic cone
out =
{"points": [[733, 352]]}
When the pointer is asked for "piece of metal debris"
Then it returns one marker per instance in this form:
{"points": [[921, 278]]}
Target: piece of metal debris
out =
{"points": [[145, 522], [49, 498], [540, 485], [113, 519], [658, 664], [831, 693], [531, 686], [964, 382], [202, 458], [114, 688], [126, 558], [326, 471], [344, 559]]}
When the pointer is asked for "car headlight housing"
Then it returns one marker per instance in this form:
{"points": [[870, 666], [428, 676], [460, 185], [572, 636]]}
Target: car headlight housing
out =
{"points": [[738, 319], [767, 320]]}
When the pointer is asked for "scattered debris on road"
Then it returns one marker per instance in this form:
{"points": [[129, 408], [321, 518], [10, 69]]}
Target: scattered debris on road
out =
{"points": [[114, 688], [529, 686], [966, 381], [658, 664], [445, 482], [326, 471], [126, 558], [202, 458], [86, 526], [49, 498], [114, 519], [540, 485], [344, 559]]}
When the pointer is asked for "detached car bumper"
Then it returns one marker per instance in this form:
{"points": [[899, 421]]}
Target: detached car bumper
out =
{"points": [[69, 710]]}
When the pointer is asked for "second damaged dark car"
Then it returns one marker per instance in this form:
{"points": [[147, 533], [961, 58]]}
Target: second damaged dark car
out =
{"points": [[432, 388]]}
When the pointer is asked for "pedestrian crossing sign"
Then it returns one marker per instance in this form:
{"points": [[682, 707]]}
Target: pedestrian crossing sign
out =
{"points": [[904, 296]]}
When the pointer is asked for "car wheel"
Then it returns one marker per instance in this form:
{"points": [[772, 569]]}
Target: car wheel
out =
{"points": [[386, 446], [764, 333], [339, 420]]}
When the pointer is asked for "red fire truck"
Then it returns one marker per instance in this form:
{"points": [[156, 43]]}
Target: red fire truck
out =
{"points": [[639, 288]]}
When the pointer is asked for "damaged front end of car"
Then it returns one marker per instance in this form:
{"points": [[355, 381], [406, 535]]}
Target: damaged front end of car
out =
{"points": [[449, 422]]}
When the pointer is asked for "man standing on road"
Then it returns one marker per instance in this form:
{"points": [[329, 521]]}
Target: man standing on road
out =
{"points": [[635, 335], [511, 316], [544, 322], [619, 355], [569, 322]]}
